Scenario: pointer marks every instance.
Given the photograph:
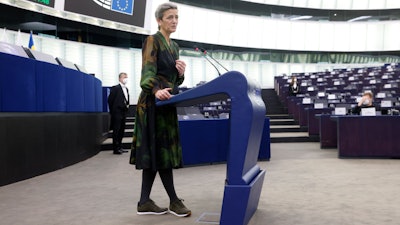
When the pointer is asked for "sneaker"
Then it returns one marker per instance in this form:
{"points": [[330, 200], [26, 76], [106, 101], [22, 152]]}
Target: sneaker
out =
{"points": [[179, 209], [150, 208]]}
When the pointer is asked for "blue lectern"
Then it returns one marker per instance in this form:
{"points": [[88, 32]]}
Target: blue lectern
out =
{"points": [[244, 177]]}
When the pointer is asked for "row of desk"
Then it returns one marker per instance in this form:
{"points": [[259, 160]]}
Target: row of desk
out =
{"points": [[51, 117], [28, 85], [354, 136]]}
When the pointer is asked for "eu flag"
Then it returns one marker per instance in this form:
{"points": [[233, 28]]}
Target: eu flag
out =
{"points": [[123, 6], [31, 45]]}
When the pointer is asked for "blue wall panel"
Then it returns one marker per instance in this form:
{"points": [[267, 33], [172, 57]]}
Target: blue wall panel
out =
{"points": [[18, 84], [27, 85], [51, 88], [98, 95], [75, 93], [89, 94]]}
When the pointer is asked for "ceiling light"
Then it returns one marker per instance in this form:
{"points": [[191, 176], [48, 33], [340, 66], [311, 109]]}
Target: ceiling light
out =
{"points": [[359, 18], [301, 18]]}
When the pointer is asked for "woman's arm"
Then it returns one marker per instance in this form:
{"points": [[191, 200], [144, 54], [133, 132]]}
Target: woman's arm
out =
{"points": [[149, 81]]}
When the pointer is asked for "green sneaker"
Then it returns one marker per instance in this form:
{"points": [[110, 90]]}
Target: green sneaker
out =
{"points": [[150, 208], [179, 209]]}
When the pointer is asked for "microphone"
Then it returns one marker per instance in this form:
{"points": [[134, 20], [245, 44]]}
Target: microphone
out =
{"points": [[205, 52], [205, 56], [215, 61]]}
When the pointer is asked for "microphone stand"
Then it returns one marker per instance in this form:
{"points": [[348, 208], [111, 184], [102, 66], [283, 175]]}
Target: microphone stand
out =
{"points": [[205, 56], [206, 53]]}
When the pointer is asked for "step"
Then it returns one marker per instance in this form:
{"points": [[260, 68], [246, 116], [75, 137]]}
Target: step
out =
{"points": [[126, 143], [130, 119], [282, 122], [279, 116], [292, 137], [128, 133], [287, 128], [289, 134]]}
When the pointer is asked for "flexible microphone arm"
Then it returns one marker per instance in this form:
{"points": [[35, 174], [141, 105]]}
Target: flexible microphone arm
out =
{"points": [[205, 56], [206, 53]]}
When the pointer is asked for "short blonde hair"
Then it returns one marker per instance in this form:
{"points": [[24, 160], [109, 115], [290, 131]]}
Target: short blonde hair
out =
{"points": [[369, 94], [121, 74], [164, 7]]}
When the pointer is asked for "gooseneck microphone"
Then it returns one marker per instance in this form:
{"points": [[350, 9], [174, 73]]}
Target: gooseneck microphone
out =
{"points": [[208, 57]]}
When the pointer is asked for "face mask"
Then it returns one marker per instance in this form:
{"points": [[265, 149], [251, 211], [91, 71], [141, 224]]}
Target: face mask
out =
{"points": [[125, 80], [366, 102]]}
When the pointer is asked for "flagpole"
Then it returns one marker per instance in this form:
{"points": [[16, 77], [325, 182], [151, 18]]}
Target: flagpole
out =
{"points": [[4, 36], [18, 39], [31, 44]]}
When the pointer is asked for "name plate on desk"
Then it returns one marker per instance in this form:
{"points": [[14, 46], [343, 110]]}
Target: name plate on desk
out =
{"points": [[381, 95], [368, 111], [386, 103], [306, 100], [318, 105], [340, 111], [331, 96]]}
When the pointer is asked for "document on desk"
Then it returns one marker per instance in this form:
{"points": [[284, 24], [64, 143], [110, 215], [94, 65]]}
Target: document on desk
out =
{"points": [[368, 111]]}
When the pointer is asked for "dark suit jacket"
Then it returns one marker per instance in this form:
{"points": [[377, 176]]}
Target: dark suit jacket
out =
{"points": [[116, 100]]}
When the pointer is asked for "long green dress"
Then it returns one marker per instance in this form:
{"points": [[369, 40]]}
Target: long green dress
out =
{"points": [[156, 143]]}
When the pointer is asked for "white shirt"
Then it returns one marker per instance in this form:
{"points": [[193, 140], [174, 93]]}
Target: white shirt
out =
{"points": [[125, 90]]}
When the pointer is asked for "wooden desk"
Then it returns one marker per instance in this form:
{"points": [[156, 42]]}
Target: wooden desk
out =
{"points": [[368, 136]]}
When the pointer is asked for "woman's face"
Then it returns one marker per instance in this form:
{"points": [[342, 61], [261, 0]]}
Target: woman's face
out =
{"points": [[367, 100], [169, 22]]}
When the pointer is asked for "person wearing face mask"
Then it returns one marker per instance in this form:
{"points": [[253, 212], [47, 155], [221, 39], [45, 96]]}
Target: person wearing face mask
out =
{"points": [[294, 87], [118, 103], [365, 102]]}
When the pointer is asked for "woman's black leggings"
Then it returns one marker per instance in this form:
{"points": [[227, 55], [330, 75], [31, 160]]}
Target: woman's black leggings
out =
{"points": [[167, 179]]}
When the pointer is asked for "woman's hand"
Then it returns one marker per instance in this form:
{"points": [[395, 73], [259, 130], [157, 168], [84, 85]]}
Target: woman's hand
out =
{"points": [[180, 66], [163, 94]]}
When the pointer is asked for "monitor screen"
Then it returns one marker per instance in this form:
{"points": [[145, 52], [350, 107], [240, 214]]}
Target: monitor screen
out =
{"points": [[66, 63], [12, 49], [81, 68], [40, 56]]}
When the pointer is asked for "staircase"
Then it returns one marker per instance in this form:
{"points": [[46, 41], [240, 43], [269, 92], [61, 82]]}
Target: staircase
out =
{"points": [[283, 128], [126, 141]]}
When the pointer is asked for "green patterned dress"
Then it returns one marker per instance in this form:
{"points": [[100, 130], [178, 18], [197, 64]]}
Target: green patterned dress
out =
{"points": [[156, 143]]}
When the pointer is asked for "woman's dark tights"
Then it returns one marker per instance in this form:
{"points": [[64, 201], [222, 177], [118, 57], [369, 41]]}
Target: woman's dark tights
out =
{"points": [[167, 179]]}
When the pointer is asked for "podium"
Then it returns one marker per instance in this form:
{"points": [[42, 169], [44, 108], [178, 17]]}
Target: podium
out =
{"points": [[244, 178]]}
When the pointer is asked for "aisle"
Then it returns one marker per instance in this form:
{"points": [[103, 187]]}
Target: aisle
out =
{"points": [[303, 185]]}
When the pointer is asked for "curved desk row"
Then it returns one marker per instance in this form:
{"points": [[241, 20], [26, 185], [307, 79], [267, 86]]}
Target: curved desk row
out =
{"points": [[27, 85], [50, 117], [361, 136]]}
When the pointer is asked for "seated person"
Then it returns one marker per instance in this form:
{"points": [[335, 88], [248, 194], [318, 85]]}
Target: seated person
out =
{"points": [[365, 102], [294, 87]]}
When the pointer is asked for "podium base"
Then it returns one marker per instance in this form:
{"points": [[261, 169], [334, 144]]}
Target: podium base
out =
{"points": [[241, 201]]}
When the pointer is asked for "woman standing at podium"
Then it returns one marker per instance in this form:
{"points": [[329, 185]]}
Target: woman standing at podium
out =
{"points": [[156, 146]]}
